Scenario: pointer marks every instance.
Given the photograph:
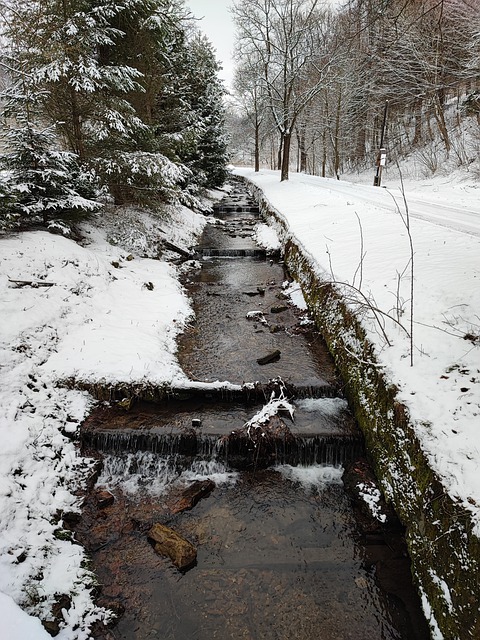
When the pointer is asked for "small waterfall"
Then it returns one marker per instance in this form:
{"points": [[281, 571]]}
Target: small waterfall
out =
{"points": [[152, 474], [303, 392], [236, 450], [233, 207], [208, 252], [161, 444]]}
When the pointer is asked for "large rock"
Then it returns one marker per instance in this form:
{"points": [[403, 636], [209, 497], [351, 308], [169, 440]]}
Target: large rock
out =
{"points": [[193, 494], [104, 498], [169, 543]]}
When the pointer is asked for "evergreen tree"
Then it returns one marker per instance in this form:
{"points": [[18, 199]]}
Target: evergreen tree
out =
{"points": [[129, 92], [208, 158], [41, 184], [146, 166]]}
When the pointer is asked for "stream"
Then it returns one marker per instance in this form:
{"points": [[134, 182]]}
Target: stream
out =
{"points": [[287, 546]]}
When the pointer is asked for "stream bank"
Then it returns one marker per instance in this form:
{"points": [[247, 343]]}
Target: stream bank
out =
{"points": [[445, 551], [282, 546]]}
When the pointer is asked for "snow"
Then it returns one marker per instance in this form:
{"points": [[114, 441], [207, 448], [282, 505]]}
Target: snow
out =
{"points": [[110, 312], [371, 496], [275, 405], [294, 292], [18, 625], [337, 222], [93, 312], [266, 237]]}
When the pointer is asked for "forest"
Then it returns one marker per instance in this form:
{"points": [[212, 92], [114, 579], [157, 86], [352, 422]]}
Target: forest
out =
{"points": [[314, 82], [105, 101]]}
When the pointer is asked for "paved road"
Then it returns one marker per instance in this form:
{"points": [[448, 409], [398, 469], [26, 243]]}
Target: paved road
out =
{"points": [[444, 214]]}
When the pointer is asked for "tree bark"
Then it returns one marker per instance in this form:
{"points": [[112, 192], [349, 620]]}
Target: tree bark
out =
{"points": [[285, 156], [417, 137], [280, 152], [257, 145]]}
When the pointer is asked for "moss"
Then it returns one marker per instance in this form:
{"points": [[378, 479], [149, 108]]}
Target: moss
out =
{"points": [[63, 534], [445, 552]]}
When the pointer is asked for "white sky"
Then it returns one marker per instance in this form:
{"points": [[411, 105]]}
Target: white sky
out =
{"points": [[217, 25]]}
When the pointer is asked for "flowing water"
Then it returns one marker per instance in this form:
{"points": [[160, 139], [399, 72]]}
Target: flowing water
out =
{"points": [[283, 549]]}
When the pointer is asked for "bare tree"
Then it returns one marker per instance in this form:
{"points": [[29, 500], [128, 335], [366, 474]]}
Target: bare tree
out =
{"points": [[289, 40], [251, 98]]}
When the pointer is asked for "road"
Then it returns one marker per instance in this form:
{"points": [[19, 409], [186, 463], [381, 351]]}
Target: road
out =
{"points": [[465, 219]]}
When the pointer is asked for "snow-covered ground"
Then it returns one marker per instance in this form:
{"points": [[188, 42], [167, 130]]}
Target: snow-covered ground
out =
{"points": [[96, 311], [337, 222], [104, 316]]}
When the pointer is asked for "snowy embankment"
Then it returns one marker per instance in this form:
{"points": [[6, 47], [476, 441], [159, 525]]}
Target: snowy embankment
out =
{"points": [[355, 234], [94, 311]]}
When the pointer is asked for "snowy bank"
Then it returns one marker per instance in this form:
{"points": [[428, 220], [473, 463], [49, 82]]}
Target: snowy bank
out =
{"points": [[355, 235], [97, 311], [443, 387]]}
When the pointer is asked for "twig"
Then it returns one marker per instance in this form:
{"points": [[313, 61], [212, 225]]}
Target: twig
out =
{"points": [[376, 311], [362, 255], [406, 221]]}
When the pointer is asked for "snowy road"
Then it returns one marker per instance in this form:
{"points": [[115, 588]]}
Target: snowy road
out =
{"points": [[445, 213]]}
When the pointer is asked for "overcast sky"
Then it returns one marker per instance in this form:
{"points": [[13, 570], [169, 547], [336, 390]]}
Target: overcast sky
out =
{"points": [[217, 25]]}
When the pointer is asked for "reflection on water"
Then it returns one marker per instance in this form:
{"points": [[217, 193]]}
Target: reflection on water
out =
{"points": [[278, 558]]}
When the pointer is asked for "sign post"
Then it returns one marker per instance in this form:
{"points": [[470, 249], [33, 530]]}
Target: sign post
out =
{"points": [[382, 154]]}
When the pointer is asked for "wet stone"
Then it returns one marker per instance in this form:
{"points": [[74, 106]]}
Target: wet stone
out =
{"points": [[104, 498], [193, 494], [270, 357], [169, 543]]}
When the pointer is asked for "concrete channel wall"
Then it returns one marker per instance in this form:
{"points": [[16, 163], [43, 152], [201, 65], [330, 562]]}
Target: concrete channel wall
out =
{"points": [[444, 551]]}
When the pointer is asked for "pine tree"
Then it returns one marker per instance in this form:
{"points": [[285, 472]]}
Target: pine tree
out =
{"points": [[41, 184], [209, 157], [127, 89], [145, 166]]}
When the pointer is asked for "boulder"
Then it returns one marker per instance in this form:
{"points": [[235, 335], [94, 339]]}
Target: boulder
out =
{"points": [[193, 494], [169, 543], [279, 308]]}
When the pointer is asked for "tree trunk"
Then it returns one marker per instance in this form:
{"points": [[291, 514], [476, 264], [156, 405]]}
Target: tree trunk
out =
{"points": [[336, 145], [303, 152], [417, 108], [285, 156], [324, 153], [280, 152], [257, 145], [440, 118], [79, 148]]}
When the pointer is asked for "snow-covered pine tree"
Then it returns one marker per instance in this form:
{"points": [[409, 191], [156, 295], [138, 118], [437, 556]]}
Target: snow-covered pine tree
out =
{"points": [[126, 91], [40, 183], [207, 113], [183, 96], [144, 166], [87, 95]]}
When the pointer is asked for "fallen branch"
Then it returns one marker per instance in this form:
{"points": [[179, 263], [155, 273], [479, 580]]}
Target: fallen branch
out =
{"points": [[31, 283], [179, 250]]}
